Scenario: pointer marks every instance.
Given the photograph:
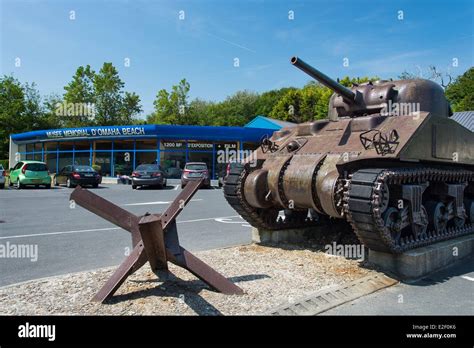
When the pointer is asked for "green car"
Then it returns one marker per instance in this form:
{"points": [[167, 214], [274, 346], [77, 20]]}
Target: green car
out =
{"points": [[30, 173]]}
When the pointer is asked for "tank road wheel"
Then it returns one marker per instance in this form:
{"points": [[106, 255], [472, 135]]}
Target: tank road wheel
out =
{"points": [[437, 215], [393, 222], [419, 230], [384, 197], [456, 221]]}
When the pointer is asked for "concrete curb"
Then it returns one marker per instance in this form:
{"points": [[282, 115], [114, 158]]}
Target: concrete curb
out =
{"points": [[417, 263]]}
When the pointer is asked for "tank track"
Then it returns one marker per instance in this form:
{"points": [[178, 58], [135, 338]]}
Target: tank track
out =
{"points": [[362, 203], [260, 218]]}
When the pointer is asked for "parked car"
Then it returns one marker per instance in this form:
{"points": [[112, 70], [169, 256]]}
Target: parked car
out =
{"points": [[2, 177], [72, 176], [195, 171], [224, 173], [148, 175], [27, 173]]}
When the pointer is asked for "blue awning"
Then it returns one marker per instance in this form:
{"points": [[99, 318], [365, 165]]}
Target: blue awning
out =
{"points": [[212, 133]]}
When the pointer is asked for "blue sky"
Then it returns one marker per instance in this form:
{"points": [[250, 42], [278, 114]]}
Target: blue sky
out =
{"points": [[162, 48]]}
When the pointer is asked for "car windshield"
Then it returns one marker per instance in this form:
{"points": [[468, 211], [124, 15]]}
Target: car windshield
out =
{"points": [[148, 167], [196, 166], [83, 169], [36, 167]]}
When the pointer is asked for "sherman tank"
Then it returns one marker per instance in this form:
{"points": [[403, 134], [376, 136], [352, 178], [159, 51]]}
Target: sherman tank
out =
{"points": [[388, 159]]}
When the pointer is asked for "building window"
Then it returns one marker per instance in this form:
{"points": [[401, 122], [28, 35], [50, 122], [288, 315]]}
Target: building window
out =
{"points": [[205, 157], [124, 144], [123, 163], [50, 159], [143, 157], [50, 146], [82, 145], [147, 144], [82, 158], [103, 161], [65, 146], [103, 145], [65, 159], [173, 163], [38, 147]]}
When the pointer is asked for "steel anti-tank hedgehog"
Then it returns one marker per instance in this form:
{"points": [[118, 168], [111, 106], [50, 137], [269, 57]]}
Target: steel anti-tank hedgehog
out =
{"points": [[388, 159]]}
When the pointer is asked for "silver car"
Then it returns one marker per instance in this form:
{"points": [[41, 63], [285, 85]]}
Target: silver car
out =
{"points": [[148, 175]]}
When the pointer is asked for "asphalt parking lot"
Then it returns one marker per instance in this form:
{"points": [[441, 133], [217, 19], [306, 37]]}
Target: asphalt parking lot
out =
{"points": [[73, 240]]}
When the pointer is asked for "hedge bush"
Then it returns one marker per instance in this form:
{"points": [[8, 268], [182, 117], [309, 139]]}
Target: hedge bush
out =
{"points": [[4, 163]]}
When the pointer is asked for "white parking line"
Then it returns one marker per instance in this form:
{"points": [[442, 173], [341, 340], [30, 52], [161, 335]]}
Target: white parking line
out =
{"points": [[158, 202], [468, 278], [103, 229], [65, 232], [176, 187]]}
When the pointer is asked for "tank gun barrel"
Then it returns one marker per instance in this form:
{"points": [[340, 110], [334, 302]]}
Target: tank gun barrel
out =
{"points": [[345, 92]]}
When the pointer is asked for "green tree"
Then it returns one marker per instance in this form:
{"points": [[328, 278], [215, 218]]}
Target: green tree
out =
{"points": [[461, 92], [237, 109], [130, 108], [79, 98], [267, 100], [12, 108], [302, 105], [51, 116], [202, 112], [172, 107], [163, 113], [21, 110], [33, 115], [288, 107], [108, 95]]}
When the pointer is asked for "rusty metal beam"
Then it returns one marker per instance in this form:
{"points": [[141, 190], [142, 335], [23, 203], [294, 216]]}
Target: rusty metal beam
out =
{"points": [[108, 211], [180, 202], [155, 239], [134, 261], [204, 272]]}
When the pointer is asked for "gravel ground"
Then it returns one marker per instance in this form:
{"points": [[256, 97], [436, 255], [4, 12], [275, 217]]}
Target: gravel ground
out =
{"points": [[270, 276]]}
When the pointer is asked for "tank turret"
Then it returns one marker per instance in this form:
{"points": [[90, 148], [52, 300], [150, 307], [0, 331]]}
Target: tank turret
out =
{"points": [[380, 96]]}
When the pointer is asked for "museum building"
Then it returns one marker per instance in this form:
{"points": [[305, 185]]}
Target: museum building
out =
{"points": [[118, 150]]}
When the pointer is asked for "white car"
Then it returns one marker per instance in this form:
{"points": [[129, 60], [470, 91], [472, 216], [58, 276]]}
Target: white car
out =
{"points": [[2, 177]]}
